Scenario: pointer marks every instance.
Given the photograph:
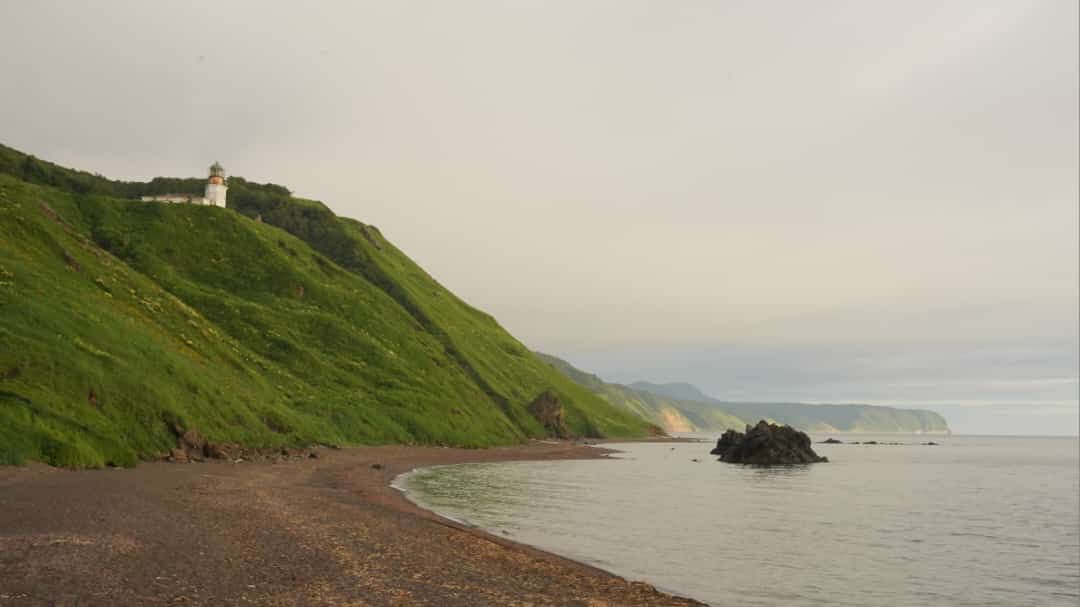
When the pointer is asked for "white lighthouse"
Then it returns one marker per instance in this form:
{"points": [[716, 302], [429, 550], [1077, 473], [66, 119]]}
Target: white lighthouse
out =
{"points": [[215, 186]]}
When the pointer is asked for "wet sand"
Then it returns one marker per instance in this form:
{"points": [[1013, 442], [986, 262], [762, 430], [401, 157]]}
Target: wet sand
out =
{"points": [[326, 531]]}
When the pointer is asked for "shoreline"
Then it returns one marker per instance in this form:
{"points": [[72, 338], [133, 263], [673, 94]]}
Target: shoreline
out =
{"points": [[470, 527], [325, 531]]}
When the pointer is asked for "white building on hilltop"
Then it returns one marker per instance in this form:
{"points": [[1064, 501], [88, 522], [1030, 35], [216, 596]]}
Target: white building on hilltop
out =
{"points": [[214, 195], [215, 186]]}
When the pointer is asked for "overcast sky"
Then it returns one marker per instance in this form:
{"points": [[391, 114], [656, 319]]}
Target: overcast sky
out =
{"points": [[658, 189]]}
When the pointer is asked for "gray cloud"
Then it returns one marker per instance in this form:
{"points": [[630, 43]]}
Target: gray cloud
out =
{"points": [[623, 174]]}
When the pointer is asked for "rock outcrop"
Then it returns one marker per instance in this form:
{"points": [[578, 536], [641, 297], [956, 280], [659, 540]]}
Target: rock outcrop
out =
{"points": [[548, 410], [766, 444], [194, 447]]}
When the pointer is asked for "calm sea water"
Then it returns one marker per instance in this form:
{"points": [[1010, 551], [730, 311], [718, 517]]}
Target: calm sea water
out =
{"points": [[974, 521]]}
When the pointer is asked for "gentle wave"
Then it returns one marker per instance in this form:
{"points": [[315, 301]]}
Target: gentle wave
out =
{"points": [[970, 522]]}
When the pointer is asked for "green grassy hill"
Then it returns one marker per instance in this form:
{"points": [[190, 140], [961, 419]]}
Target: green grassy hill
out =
{"points": [[270, 323], [673, 414]]}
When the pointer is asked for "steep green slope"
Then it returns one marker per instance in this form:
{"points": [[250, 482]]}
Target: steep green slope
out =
{"points": [[813, 418], [671, 414], [119, 318]]}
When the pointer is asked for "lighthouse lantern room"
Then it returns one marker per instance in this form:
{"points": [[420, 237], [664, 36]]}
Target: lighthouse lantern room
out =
{"points": [[215, 186]]}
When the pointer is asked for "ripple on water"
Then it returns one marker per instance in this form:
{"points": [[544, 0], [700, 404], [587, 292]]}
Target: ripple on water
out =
{"points": [[984, 521]]}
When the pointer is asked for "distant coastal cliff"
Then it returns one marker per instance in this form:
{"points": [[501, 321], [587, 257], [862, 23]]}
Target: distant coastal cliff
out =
{"points": [[682, 407]]}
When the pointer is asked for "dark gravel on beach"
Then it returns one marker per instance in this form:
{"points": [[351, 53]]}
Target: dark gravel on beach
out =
{"points": [[312, 531]]}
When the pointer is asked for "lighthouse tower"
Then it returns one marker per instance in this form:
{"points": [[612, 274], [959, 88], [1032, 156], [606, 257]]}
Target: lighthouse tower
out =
{"points": [[215, 186]]}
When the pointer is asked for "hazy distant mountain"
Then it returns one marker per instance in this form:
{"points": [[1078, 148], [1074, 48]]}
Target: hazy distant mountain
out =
{"points": [[679, 390], [813, 418], [671, 414], [682, 407]]}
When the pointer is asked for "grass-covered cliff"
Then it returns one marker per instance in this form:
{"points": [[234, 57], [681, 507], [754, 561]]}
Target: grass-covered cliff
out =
{"points": [[271, 323], [682, 407]]}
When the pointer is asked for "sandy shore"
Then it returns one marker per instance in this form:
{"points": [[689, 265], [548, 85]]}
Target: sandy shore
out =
{"points": [[325, 531]]}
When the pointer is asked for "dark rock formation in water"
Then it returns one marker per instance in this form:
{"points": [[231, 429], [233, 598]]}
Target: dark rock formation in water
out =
{"points": [[832, 441], [766, 444]]}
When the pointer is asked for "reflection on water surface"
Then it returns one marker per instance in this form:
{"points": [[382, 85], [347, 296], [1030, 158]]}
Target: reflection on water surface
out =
{"points": [[973, 521]]}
